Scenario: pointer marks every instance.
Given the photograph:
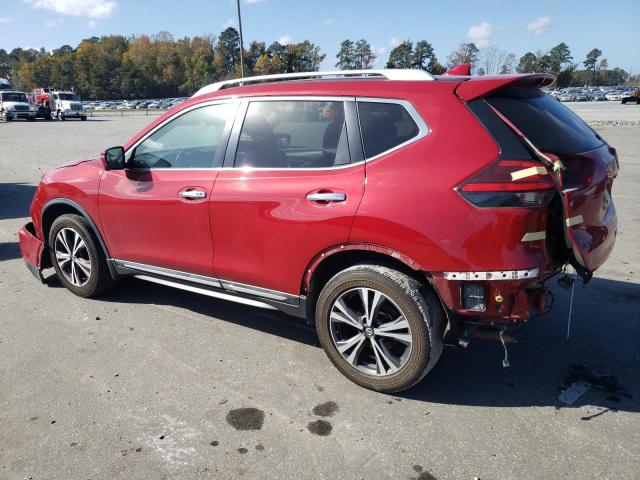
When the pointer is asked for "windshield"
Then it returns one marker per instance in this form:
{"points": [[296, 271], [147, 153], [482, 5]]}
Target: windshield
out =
{"points": [[549, 125], [67, 96], [14, 97]]}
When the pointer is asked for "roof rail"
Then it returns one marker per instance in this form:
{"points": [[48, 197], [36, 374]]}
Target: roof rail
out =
{"points": [[388, 74]]}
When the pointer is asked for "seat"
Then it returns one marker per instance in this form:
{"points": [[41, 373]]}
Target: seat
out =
{"points": [[258, 146]]}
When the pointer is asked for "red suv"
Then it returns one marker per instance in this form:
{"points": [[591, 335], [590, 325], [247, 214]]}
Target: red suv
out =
{"points": [[385, 206]]}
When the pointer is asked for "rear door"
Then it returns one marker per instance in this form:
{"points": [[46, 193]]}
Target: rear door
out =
{"points": [[590, 167], [292, 182]]}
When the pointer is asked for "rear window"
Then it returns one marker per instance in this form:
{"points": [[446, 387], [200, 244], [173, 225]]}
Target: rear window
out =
{"points": [[549, 125]]}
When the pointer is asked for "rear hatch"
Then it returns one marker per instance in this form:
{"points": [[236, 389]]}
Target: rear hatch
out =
{"points": [[581, 162]]}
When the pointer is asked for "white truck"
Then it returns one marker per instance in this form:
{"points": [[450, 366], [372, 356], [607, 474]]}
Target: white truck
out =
{"points": [[14, 105], [66, 105]]}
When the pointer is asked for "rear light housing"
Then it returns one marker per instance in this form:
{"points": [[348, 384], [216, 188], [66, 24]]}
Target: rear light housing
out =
{"points": [[509, 183]]}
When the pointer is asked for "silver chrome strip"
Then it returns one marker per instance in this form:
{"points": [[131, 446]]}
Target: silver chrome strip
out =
{"points": [[423, 128], [210, 281], [257, 291], [167, 272], [496, 275], [209, 293], [388, 74]]}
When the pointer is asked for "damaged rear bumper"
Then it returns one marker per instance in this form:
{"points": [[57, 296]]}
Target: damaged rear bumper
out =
{"points": [[31, 248], [498, 297]]}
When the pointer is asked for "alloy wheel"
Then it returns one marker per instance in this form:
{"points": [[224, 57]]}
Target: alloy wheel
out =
{"points": [[72, 256], [370, 331]]}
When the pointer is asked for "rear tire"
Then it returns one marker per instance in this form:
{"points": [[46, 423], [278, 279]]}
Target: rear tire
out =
{"points": [[77, 257], [393, 342]]}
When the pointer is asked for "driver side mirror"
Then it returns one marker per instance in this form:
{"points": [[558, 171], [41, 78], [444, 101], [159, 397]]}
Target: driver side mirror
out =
{"points": [[113, 158]]}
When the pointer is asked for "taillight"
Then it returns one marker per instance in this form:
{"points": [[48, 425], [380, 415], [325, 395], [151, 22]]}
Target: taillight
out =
{"points": [[509, 183]]}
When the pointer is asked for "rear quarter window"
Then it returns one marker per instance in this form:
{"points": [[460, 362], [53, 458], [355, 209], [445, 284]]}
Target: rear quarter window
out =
{"points": [[550, 125], [384, 126]]}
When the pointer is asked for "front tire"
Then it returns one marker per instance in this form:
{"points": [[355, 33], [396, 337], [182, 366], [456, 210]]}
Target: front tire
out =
{"points": [[77, 258], [381, 328]]}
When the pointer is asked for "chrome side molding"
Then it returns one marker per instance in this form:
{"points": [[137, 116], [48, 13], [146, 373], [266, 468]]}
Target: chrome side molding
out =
{"points": [[139, 270], [204, 291]]}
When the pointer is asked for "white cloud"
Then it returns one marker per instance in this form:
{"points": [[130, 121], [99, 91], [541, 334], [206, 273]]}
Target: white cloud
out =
{"points": [[100, 9], [380, 50], [228, 23], [328, 22], [284, 40], [394, 42], [539, 25], [480, 34], [252, 2], [52, 23], [91, 24], [4, 20]]}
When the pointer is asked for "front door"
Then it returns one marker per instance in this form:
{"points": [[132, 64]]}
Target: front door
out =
{"points": [[156, 212], [294, 183]]}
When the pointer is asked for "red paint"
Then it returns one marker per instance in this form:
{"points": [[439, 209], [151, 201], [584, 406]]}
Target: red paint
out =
{"points": [[463, 69], [31, 247], [257, 227], [146, 221]]}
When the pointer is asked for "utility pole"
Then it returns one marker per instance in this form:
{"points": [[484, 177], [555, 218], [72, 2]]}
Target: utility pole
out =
{"points": [[241, 47]]}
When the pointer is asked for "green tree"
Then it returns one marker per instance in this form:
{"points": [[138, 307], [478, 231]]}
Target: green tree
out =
{"points": [[345, 56], [227, 52], [559, 58], [591, 62], [5, 67], [465, 53], [528, 63], [363, 55], [423, 56], [401, 56]]}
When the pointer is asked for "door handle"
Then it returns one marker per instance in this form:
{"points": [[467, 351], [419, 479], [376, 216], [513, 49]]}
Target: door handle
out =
{"points": [[192, 194], [327, 197]]}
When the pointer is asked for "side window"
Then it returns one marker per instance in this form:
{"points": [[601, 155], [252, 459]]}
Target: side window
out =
{"points": [[384, 126], [293, 134], [189, 141]]}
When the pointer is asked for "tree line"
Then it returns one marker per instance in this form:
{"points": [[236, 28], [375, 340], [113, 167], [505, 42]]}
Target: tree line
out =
{"points": [[155, 66]]}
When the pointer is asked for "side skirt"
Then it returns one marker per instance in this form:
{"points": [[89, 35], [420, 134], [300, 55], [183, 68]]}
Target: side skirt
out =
{"points": [[214, 287]]}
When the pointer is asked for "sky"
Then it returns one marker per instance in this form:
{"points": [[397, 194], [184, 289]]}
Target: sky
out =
{"points": [[514, 26]]}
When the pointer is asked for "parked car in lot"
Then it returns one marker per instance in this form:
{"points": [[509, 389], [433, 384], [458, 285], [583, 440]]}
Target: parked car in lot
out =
{"points": [[346, 198], [15, 105], [632, 97]]}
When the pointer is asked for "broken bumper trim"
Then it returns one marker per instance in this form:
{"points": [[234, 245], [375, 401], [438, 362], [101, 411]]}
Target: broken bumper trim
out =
{"points": [[496, 275], [31, 248]]}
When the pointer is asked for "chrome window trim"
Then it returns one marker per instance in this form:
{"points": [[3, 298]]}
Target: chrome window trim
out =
{"points": [[223, 101], [423, 128]]}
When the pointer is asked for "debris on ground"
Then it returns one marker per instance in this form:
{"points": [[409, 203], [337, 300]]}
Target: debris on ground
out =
{"points": [[582, 377], [573, 392]]}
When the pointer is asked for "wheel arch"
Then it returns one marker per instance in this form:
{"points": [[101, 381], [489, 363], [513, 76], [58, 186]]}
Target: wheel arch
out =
{"points": [[61, 206], [335, 259]]}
